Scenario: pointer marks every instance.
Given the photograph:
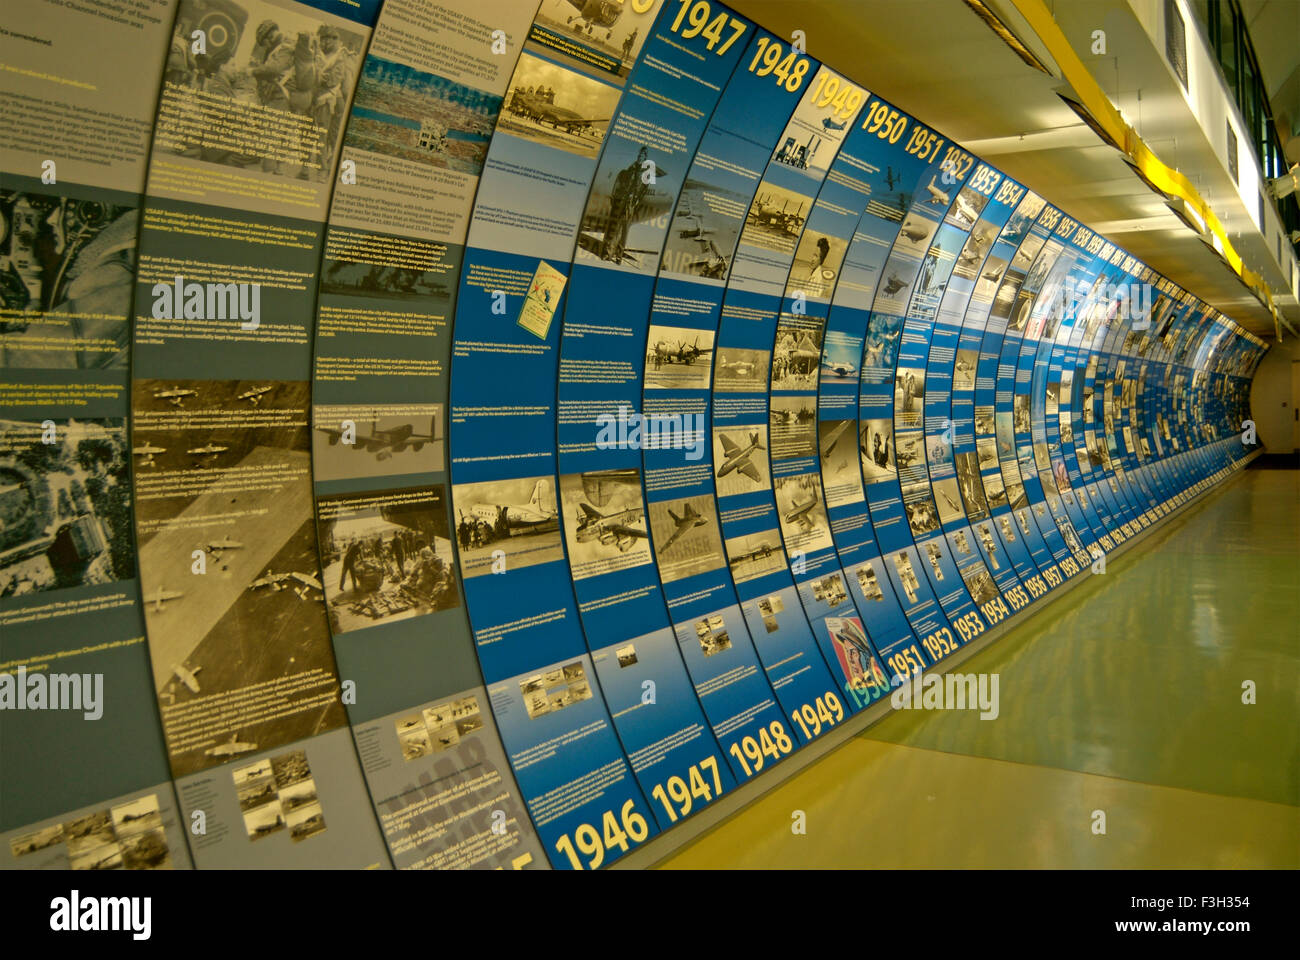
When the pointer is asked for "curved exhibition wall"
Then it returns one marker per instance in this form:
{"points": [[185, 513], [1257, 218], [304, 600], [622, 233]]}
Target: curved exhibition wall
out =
{"points": [[460, 434]]}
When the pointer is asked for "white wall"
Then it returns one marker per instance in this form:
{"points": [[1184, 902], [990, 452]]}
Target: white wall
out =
{"points": [[1272, 403]]}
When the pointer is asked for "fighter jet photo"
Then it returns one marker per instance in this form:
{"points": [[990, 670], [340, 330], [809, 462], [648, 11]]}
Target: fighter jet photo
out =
{"points": [[738, 458], [688, 520], [621, 529], [175, 395], [833, 438]]}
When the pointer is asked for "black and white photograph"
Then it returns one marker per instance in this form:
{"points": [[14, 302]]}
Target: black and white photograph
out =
{"points": [[65, 505], [704, 230], [557, 107], [712, 634], [869, 581], [963, 370], [880, 350], [935, 558], [959, 542], [69, 264], [830, 590], [797, 356], [909, 454], [922, 514], [270, 94], [909, 394], [991, 546], [555, 688], [687, 540], [605, 36], [966, 208], [754, 555], [987, 275], [355, 442], [626, 656], [386, 556], [740, 458], [623, 222], [510, 522], [995, 491], [970, 484], [738, 370], [228, 495], [776, 218], [841, 474], [802, 513], [915, 234], [816, 265], [793, 429], [948, 500], [876, 450], [604, 522], [678, 358], [979, 582], [906, 575]]}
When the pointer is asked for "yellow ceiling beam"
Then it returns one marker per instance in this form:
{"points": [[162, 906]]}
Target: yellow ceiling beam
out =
{"points": [[1155, 171]]}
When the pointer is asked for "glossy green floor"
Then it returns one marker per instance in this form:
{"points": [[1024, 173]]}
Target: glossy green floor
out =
{"points": [[1124, 696]]}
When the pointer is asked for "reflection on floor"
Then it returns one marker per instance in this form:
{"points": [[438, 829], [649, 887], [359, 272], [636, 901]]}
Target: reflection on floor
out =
{"points": [[1125, 698]]}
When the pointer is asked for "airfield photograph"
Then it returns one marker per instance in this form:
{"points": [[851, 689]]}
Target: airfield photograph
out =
{"points": [[678, 358], [754, 555], [557, 107], [520, 518], [704, 230], [776, 218]]}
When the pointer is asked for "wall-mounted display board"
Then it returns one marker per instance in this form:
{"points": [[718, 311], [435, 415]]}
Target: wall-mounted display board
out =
{"points": [[84, 781], [542, 419]]}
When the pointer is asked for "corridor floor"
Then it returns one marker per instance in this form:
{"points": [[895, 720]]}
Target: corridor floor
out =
{"points": [[1124, 697]]}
